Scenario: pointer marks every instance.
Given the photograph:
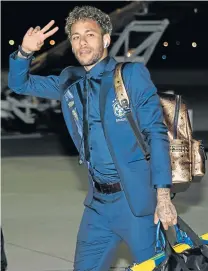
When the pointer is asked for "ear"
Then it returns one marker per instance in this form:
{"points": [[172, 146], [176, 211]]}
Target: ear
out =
{"points": [[106, 40], [105, 44]]}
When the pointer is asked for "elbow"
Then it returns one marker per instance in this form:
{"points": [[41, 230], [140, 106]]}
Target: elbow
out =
{"points": [[159, 132], [15, 89], [15, 86]]}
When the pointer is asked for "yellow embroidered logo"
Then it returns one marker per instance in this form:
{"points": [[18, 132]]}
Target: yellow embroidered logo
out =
{"points": [[70, 104], [74, 113]]}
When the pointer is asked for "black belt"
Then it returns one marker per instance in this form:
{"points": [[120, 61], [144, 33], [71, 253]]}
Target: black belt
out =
{"points": [[108, 188]]}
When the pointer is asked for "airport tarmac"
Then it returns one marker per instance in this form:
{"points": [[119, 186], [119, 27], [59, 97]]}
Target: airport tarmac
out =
{"points": [[42, 204]]}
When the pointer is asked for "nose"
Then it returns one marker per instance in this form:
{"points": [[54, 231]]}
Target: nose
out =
{"points": [[82, 41]]}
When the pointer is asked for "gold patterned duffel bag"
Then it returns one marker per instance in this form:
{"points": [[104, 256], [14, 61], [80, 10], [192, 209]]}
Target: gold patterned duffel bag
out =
{"points": [[187, 154]]}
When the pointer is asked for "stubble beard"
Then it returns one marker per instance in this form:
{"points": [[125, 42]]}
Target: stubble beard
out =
{"points": [[94, 59]]}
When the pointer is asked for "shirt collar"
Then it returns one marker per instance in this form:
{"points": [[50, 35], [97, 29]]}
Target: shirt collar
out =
{"points": [[71, 75], [98, 69]]}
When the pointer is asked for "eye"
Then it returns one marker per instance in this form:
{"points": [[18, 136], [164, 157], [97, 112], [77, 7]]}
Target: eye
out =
{"points": [[75, 37], [90, 35]]}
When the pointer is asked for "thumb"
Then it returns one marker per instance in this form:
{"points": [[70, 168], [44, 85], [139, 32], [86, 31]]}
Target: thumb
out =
{"points": [[156, 218]]}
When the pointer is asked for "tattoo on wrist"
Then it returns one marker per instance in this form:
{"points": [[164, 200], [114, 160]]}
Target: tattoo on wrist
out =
{"points": [[163, 193]]}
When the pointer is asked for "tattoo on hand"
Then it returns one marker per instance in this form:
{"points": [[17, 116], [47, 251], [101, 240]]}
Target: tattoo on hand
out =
{"points": [[163, 193], [165, 210]]}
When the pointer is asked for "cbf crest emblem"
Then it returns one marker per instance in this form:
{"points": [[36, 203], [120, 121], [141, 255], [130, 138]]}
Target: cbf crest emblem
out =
{"points": [[118, 111]]}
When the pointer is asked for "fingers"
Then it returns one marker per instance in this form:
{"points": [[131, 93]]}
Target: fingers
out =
{"points": [[169, 221], [174, 218], [50, 33], [48, 26], [165, 225], [175, 222], [156, 218], [30, 30], [37, 28]]}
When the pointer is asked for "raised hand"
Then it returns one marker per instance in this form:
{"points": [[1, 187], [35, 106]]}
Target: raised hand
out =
{"points": [[35, 37]]}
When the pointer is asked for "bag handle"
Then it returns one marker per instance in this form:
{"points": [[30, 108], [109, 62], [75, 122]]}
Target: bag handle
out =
{"points": [[183, 234], [190, 238], [160, 239], [170, 252]]}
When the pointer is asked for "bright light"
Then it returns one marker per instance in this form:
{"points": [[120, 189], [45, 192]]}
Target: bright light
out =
{"points": [[52, 42], [130, 52], [11, 42], [165, 44], [164, 57], [195, 10], [194, 44]]}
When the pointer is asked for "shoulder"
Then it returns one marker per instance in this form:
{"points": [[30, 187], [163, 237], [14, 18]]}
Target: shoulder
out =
{"points": [[135, 72], [136, 69], [138, 81]]}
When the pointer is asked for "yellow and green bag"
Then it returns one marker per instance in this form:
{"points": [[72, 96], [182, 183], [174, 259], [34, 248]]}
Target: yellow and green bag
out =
{"points": [[188, 243]]}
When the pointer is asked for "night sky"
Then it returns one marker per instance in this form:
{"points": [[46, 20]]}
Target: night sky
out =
{"points": [[187, 24]]}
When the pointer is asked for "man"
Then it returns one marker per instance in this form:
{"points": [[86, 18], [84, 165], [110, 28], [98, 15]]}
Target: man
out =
{"points": [[127, 195]]}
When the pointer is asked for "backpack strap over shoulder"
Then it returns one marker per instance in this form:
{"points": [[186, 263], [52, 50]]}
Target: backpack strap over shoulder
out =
{"points": [[120, 89], [123, 100]]}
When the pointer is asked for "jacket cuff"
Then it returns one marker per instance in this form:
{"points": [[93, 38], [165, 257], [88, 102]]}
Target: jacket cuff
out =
{"points": [[14, 56], [162, 186]]}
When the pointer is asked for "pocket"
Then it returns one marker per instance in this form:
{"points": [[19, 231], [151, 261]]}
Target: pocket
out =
{"points": [[180, 161], [198, 158]]}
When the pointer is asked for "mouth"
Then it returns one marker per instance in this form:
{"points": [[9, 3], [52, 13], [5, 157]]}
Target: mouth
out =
{"points": [[84, 52]]}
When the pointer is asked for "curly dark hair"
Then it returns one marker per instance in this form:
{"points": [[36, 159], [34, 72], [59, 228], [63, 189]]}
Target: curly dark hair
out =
{"points": [[88, 12]]}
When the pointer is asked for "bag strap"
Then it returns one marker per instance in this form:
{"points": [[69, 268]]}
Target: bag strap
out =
{"points": [[193, 236], [123, 100], [176, 116]]}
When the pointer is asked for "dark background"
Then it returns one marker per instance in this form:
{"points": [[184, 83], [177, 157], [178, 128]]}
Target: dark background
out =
{"points": [[185, 26]]}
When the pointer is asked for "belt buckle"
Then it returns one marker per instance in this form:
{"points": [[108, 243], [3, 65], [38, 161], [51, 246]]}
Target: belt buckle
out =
{"points": [[108, 188], [102, 189]]}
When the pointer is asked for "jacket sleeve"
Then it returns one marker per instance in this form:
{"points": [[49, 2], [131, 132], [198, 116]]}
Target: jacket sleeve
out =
{"points": [[149, 114], [22, 82]]}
